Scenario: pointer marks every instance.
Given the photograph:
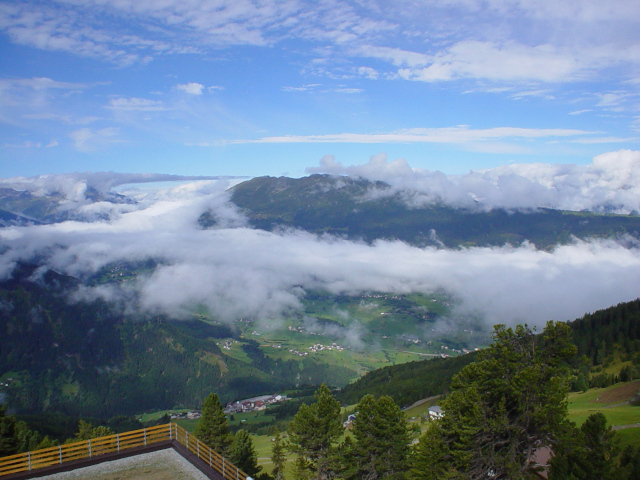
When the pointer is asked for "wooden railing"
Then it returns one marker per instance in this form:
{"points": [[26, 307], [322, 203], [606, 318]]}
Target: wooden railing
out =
{"points": [[49, 457]]}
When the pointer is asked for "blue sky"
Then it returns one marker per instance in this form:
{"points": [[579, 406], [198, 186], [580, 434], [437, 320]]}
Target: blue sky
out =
{"points": [[239, 87]]}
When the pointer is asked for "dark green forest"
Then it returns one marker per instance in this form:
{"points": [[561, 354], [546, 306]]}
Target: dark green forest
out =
{"points": [[612, 330], [408, 382]]}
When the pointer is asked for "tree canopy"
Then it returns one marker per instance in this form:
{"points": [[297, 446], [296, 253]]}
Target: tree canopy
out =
{"points": [[213, 428], [588, 452], [381, 438], [312, 432], [243, 454], [503, 407]]}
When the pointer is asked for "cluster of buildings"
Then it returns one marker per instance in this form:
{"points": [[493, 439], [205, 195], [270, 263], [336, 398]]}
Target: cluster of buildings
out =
{"points": [[255, 404], [301, 330], [227, 344], [188, 415], [463, 351], [380, 295], [299, 353], [319, 347]]}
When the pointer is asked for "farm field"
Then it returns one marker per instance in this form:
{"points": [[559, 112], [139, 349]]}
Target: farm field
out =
{"points": [[616, 403], [360, 333]]}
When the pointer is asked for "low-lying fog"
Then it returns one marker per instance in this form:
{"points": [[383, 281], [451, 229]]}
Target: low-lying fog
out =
{"points": [[237, 271]]}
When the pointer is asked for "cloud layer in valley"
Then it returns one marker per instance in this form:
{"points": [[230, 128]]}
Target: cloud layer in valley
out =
{"points": [[240, 272]]}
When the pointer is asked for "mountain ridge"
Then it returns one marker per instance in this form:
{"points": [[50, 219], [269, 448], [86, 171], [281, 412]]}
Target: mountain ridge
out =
{"points": [[359, 209]]}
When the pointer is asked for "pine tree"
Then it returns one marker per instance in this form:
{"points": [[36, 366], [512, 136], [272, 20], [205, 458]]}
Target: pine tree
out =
{"points": [[87, 431], [243, 454], [503, 407], [381, 439], [8, 439], [588, 452], [213, 429], [312, 432], [278, 457]]}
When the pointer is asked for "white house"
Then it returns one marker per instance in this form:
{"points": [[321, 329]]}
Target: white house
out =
{"points": [[435, 412]]}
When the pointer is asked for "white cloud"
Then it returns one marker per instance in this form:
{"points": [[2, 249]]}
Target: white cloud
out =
{"points": [[486, 60], [136, 104], [612, 100], [523, 41], [348, 90], [456, 135], [26, 144], [56, 28], [611, 183], [88, 140], [39, 83], [303, 88], [239, 272], [368, 72], [396, 56], [191, 88]]}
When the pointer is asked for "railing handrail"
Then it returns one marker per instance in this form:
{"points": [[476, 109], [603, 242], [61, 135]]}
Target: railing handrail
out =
{"points": [[52, 456]]}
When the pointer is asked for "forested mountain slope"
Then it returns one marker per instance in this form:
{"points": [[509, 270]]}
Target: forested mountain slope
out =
{"points": [[361, 209], [409, 382], [597, 335], [84, 359], [601, 333]]}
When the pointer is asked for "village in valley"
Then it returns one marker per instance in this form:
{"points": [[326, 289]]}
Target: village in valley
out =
{"points": [[255, 404]]}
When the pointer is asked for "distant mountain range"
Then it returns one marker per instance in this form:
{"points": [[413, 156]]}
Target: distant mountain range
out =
{"points": [[22, 207], [356, 209], [363, 210]]}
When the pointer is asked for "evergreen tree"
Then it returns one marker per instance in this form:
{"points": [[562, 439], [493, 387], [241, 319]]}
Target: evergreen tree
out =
{"points": [[8, 439], [426, 460], [28, 440], [344, 461], [87, 431], [381, 439], [213, 429], [312, 432], [503, 407], [582, 385], [587, 453], [630, 462], [243, 454], [278, 457], [17, 437]]}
